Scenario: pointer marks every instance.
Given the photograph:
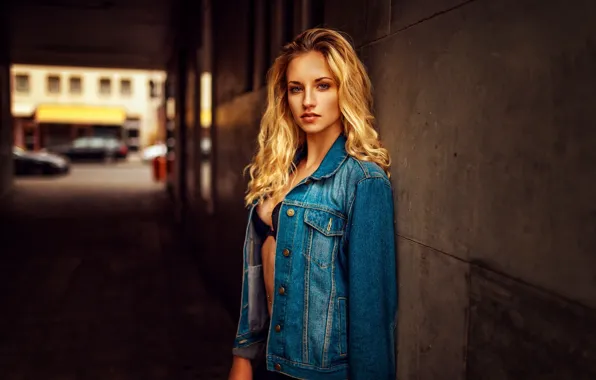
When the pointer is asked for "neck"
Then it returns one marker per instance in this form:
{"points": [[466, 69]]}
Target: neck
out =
{"points": [[318, 144]]}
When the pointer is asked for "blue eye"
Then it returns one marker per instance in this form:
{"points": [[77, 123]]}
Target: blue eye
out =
{"points": [[294, 89], [324, 86]]}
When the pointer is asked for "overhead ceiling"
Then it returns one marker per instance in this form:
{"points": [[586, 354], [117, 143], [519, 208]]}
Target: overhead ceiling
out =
{"points": [[98, 33]]}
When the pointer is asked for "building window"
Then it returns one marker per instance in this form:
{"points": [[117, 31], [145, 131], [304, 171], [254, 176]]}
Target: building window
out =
{"points": [[22, 83], [125, 87], [75, 85], [153, 89], [53, 84], [105, 86]]}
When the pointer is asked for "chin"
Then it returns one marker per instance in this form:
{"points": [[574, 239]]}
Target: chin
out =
{"points": [[311, 128]]}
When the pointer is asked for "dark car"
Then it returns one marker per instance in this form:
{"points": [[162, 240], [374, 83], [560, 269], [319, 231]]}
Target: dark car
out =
{"points": [[38, 163], [93, 148]]}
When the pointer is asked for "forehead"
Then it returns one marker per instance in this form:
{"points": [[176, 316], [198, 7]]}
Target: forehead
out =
{"points": [[308, 67]]}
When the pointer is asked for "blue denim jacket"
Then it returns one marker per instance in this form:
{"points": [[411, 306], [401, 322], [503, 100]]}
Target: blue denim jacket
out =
{"points": [[335, 303]]}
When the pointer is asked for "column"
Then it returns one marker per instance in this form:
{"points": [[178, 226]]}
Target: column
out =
{"points": [[261, 55], [277, 27], [18, 132], [6, 132]]}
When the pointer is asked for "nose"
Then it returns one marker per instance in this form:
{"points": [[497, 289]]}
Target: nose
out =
{"points": [[309, 100]]}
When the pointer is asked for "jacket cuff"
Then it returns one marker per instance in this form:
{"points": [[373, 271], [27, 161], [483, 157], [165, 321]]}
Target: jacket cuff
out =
{"points": [[250, 352]]}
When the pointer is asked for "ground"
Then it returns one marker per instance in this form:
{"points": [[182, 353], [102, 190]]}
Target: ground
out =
{"points": [[94, 283]]}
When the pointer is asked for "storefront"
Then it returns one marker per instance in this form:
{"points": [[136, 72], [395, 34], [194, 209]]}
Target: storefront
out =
{"points": [[61, 124]]}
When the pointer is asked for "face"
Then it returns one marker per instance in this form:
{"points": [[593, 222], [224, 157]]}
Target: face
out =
{"points": [[312, 94]]}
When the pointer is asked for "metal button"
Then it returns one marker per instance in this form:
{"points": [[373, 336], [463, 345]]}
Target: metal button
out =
{"points": [[277, 328], [286, 252], [290, 212], [277, 367], [282, 290]]}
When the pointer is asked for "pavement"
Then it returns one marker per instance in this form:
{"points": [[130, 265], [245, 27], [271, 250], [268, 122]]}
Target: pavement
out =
{"points": [[94, 283]]}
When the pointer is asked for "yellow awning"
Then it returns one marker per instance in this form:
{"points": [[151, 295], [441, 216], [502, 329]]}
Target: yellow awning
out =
{"points": [[67, 114]]}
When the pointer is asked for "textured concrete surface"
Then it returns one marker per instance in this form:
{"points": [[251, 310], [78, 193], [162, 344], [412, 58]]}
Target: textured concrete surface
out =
{"points": [[232, 44], [520, 333], [485, 108], [408, 13], [486, 111], [433, 313], [95, 285]]}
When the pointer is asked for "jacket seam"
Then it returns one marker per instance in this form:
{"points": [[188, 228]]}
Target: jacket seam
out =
{"points": [[364, 170], [366, 173], [240, 336], [305, 315], [309, 366], [262, 340], [310, 206], [329, 324]]}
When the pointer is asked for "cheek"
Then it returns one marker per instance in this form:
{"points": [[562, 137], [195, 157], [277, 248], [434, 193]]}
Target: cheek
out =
{"points": [[332, 104], [295, 106]]}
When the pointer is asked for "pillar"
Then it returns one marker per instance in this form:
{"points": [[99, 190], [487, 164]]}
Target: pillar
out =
{"points": [[36, 136], [6, 132], [261, 47], [18, 132]]}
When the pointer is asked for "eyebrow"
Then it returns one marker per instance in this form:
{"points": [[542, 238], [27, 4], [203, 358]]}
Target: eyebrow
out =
{"points": [[316, 80]]}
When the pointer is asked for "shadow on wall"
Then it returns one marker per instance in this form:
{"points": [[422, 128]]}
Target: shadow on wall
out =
{"points": [[217, 239]]}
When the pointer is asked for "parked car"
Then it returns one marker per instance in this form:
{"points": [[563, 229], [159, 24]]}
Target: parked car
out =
{"points": [[93, 148], [38, 163]]}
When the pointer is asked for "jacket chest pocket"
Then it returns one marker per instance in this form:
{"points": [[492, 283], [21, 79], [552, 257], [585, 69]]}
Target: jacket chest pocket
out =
{"points": [[324, 231]]}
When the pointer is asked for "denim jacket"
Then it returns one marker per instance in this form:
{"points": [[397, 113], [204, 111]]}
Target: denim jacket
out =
{"points": [[335, 302]]}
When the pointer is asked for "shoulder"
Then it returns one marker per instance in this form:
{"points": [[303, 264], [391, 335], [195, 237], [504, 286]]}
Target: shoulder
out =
{"points": [[362, 177], [369, 183], [361, 171]]}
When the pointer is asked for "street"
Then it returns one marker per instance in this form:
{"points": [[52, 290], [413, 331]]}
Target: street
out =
{"points": [[96, 285]]}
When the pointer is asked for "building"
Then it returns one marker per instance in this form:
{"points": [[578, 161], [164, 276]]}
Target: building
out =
{"points": [[54, 105]]}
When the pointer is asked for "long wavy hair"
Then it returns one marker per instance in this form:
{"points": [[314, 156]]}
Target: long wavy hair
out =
{"points": [[280, 137]]}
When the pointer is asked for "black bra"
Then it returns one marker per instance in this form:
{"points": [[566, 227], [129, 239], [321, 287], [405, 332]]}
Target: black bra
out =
{"points": [[262, 227]]}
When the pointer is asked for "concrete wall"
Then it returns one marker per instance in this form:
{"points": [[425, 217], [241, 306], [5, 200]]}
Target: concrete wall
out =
{"points": [[486, 108], [232, 44]]}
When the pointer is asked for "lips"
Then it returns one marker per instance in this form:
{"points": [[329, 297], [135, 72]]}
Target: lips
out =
{"points": [[309, 117]]}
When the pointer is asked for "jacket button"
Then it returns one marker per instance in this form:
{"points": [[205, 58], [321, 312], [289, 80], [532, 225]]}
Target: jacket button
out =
{"points": [[277, 328], [282, 290], [277, 367], [290, 212], [286, 252]]}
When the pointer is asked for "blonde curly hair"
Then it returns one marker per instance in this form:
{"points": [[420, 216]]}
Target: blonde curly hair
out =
{"points": [[280, 137]]}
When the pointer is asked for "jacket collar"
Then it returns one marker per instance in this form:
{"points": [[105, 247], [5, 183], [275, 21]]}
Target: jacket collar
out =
{"points": [[335, 156]]}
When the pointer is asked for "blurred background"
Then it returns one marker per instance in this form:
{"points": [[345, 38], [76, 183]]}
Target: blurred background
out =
{"points": [[125, 126]]}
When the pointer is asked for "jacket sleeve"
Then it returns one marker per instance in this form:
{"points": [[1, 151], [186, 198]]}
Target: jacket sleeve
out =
{"points": [[372, 295], [249, 342]]}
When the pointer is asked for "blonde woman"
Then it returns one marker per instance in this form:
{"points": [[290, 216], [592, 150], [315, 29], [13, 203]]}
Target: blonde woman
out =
{"points": [[319, 294]]}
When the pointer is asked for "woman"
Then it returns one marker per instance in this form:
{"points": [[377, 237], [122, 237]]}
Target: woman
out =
{"points": [[319, 295]]}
